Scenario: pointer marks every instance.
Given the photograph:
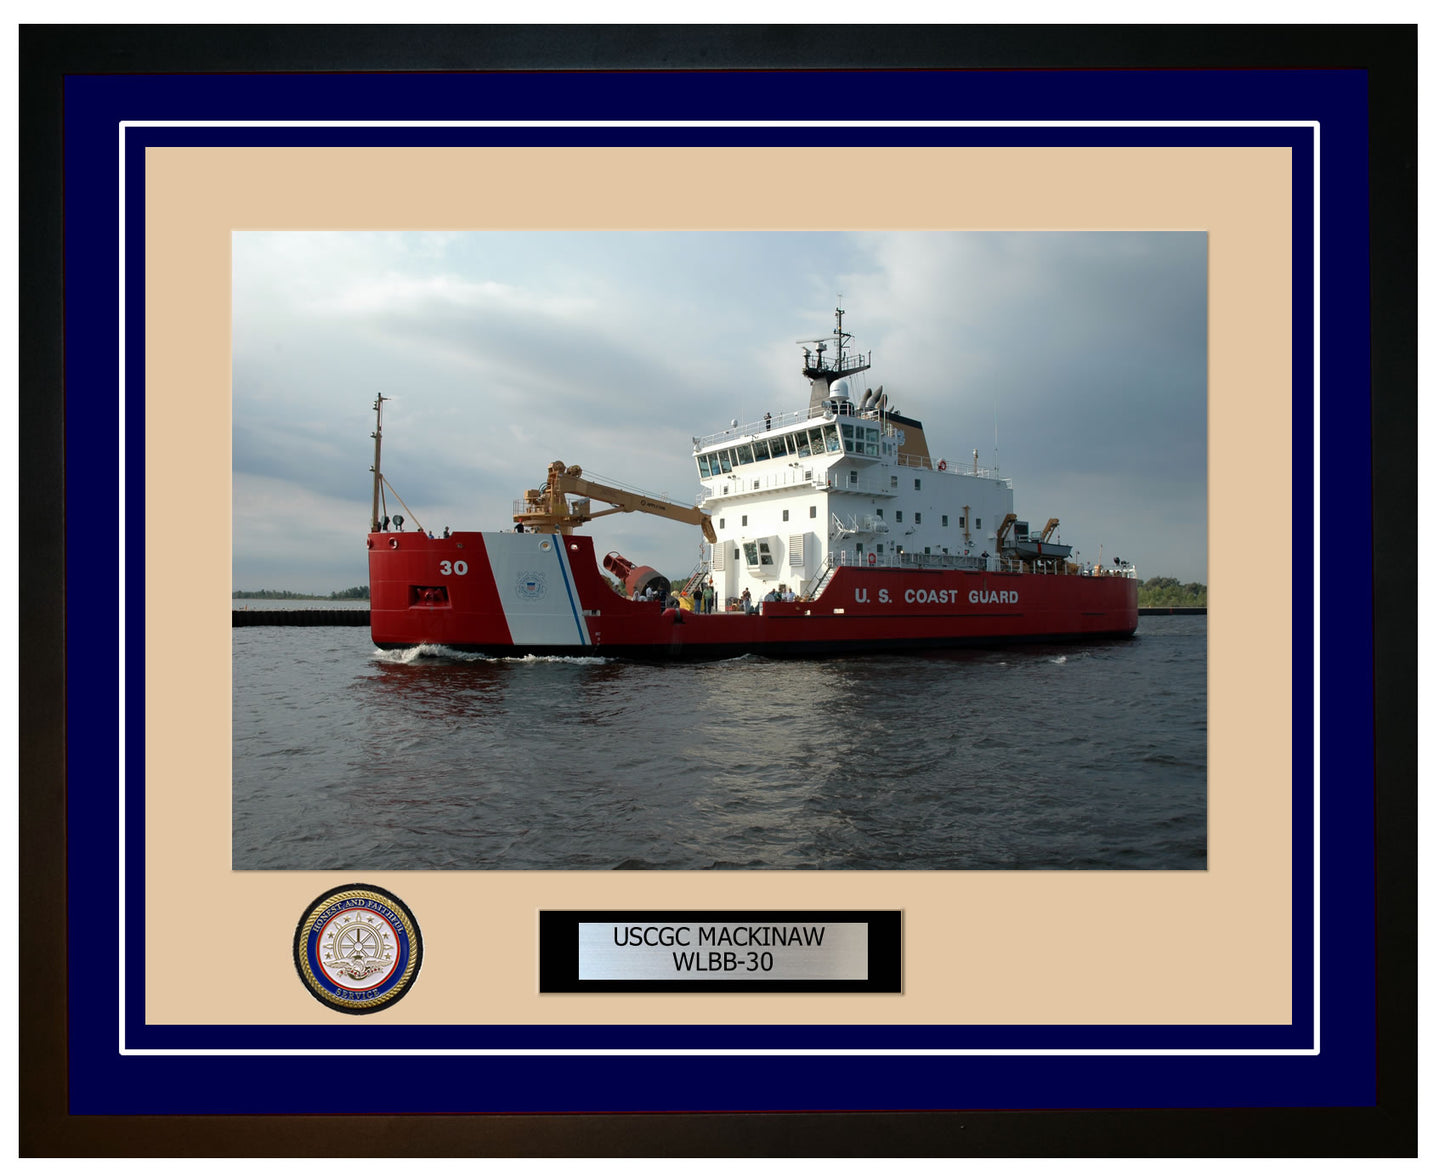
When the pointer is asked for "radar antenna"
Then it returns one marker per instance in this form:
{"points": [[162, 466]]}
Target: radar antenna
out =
{"points": [[822, 373]]}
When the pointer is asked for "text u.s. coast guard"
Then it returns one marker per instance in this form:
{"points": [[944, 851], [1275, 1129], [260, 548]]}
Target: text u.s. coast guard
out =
{"points": [[941, 596]]}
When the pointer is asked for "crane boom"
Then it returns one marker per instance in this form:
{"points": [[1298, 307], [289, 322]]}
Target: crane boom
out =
{"points": [[548, 509]]}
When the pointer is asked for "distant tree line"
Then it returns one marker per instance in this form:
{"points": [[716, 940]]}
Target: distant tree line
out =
{"points": [[360, 592], [1167, 592]]}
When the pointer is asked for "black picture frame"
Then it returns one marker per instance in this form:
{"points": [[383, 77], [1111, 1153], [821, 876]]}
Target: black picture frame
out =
{"points": [[49, 53]]}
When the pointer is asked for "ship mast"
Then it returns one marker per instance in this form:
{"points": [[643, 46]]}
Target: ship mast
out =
{"points": [[376, 469], [821, 374]]}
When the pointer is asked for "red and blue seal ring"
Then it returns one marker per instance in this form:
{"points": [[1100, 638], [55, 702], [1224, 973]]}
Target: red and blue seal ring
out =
{"points": [[357, 948]]}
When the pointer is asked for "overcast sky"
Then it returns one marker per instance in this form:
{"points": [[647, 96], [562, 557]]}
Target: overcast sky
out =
{"points": [[504, 351]]}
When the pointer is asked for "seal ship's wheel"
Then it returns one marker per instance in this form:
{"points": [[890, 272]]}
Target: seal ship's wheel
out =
{"points": [[358, 942]]}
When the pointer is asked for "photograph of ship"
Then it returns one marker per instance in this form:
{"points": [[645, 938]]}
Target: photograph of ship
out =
{"points": [[652, 570]]}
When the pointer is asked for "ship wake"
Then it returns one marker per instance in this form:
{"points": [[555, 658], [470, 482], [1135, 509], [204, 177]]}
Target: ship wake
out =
{"points": [[445, 655], [405, 657]]}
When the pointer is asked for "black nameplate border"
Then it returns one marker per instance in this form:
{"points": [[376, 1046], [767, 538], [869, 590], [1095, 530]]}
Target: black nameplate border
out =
{"points": [[720, 951]]}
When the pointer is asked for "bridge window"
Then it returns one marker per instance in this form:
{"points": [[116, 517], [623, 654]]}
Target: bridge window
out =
{"points": [[702, 466], [830, 439], [745, 455], [714, 463], [726, 459], [792, 442], [758, 553], [815, 440], [760, 451]]}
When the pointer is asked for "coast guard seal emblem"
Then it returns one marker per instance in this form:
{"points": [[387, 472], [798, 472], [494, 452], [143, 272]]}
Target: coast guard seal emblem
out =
{"points": [[531, 586], [357, 948]]}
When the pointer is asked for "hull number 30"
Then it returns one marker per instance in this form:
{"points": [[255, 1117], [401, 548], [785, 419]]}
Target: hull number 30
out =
{"points": [[454, 567]]}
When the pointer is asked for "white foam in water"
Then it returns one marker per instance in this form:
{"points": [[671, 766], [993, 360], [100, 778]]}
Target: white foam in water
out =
{"points": [[571, 661], [404, 657], [407, 656]]}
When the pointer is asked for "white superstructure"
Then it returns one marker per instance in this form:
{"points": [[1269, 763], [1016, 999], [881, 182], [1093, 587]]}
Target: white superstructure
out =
{"points": [[847, 481]]}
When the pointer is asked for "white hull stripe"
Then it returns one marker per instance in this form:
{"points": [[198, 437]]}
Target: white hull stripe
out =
{"points": [[535, 585], [570, 585]]}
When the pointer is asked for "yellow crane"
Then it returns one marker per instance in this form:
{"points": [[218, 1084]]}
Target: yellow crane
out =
{"points": [[1003, 529], [547, 508]]}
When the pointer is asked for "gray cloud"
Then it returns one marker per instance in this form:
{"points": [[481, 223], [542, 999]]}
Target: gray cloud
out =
{"points": [[503, 351]]}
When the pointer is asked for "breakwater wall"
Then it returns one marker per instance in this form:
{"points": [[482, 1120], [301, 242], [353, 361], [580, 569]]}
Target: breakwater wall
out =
{"points": [[300, 616]]}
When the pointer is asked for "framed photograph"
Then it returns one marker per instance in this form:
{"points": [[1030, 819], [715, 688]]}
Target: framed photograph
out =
{"points": [[733, 611]]}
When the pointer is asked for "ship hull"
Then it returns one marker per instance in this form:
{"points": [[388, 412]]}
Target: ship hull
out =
{"points": [[515, 594]]}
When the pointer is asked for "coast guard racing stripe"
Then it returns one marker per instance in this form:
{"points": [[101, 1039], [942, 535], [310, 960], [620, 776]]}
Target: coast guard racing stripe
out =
{"points": [[537, 590]]}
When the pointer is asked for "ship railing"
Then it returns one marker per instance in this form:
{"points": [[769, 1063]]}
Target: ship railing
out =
{"points": [[781, 420], [919, 559], [818, 583], [760, 428], [930, 559], [796, 474], [952, 560], [949, 466], [1124, 570], [874, 488], [698, 577]]}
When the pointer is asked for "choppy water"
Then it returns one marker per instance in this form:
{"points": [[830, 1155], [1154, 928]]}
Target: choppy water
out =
{"points": [[1084, 757]]}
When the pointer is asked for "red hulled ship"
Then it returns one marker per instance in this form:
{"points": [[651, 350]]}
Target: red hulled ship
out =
{"points": [[827, 530]]}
